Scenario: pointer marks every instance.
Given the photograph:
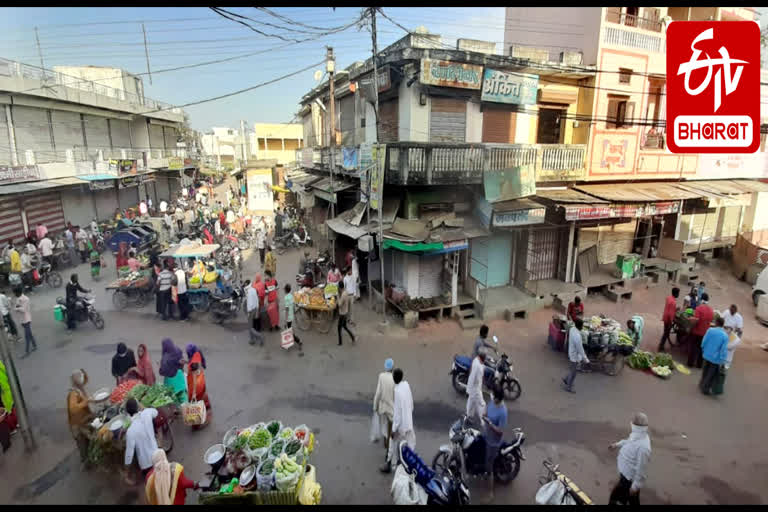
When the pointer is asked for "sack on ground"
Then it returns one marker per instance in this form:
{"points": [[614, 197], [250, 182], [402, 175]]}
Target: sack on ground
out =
{"points": [[286, 338], [553, 493], [194, 413], [404, 489], [375, 428]]}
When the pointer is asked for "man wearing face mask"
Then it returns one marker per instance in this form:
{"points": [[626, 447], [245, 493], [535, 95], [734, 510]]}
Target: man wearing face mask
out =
{"points": [[634, 455]]}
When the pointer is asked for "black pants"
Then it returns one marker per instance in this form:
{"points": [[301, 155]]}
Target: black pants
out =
{"points": [[665, 336], [83, 255], [183, 306], [288, 325], [164, 303], [261, 255], [343, 325], [694, 351], [620, 493], [180, 223], [71, 322], [708, 376], [11, 325]]}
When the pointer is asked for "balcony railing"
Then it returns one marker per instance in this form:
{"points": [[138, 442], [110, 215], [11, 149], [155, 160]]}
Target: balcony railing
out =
{"points": [[627, 38], [614, 15]]}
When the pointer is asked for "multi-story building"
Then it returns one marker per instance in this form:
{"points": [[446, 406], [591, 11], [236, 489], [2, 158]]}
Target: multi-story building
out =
{"points": [[222, 146], [278, 141], [519, 147], [78, 145]]}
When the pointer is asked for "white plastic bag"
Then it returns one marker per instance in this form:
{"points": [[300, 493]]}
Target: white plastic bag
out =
{"points": [[375, 428], [553, 493], [405, 490]]}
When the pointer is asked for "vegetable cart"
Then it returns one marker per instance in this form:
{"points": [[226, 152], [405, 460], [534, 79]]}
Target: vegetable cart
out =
{"points": [[315, 307], [198, 293], [605, 345], [135, 290]]}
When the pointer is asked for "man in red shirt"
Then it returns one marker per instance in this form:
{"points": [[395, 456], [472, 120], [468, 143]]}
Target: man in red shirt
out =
{"points": [[703, 316], [670, 308], [575, 309]]}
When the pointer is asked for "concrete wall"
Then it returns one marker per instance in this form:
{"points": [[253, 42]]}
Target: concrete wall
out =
{"points": [[106, 202], [78, 205], [68, 131], [97, 135], [474, 122], [756, 214], [139, 134]]}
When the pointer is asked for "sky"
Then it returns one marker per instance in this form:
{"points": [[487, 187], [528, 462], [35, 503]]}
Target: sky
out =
{"points": [[179, 36]]}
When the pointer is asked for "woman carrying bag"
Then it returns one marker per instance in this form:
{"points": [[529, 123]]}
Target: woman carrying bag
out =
{"points": [[197, 388]]}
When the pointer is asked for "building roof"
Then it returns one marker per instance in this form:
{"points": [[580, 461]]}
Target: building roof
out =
{"points": [[638, 192], [568, 196], [31, 186]]}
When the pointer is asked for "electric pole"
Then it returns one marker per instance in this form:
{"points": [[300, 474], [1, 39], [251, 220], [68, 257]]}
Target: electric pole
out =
{"points": [[244, 141], [331, 68], [146, 52], [379, 177], [40, 52]]}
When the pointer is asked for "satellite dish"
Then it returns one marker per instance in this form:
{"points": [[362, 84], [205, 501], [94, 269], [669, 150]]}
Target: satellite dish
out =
{"points": [[318, 75]]}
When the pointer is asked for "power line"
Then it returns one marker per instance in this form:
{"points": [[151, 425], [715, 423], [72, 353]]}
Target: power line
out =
{"points": [[228, 15]]}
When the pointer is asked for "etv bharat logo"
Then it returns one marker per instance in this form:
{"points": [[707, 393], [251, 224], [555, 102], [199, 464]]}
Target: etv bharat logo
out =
{"points": [[702, 118]]}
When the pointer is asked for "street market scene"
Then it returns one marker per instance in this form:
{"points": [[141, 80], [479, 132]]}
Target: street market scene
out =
{"points": [[464, 272]]}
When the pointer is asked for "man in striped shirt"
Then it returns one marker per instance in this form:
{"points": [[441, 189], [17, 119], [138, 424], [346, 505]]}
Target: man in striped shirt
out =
{"points": [[164, 283]]}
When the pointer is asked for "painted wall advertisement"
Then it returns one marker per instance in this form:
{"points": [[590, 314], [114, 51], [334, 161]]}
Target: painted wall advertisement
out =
{"points": [[445, 73], [123, 167], [13, 174], [259, 190], [101, 184], [510, 183], [614, 153], [515, 88]]}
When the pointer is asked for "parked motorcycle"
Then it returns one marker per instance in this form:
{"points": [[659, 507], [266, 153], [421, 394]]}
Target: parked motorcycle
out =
{"points": [[40, 276], [225, 306], [466, 453], [441, 488], [497, 374], [84, 310]]}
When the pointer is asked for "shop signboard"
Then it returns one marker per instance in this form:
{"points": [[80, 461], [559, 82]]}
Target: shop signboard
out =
{"points": [[510, 183], [376, 173], [123, 167], [443, 73], [514, 88], [17, 173], [175, 163], [519, 217], [259, 191], [128, 181], [101, 184], [620, 211]]}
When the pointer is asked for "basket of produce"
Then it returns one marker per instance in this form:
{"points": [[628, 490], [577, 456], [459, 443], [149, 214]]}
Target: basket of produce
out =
{"points": [[661, 371], [274, 427], [662, 359], [230, 437], [302, 434], [265, 475], [287, 473], [276, 448], [121, 390], [259, 442], [640, 360], [158, 396]]}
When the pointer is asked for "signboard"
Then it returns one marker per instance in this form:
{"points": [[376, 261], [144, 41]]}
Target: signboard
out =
{"points": [[128, 181], [376, 173], [517, 88], [620, 211], [306, 157], [13, 174], [713, 112], [259, 191], [444, 73], [519, 217], [101, 184], [123, 167], [175, 163], [349, 158], [383, 80], [510, 183]]}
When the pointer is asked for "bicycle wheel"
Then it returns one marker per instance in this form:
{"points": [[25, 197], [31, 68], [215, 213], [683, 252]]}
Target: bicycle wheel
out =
{"points": [[325, 319], [54, 280], [303, 320]]}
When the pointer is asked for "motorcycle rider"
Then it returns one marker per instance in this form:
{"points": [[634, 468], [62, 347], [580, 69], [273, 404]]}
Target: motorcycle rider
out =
{"points": [[481, 342], [495, 420], [73, 286], [475, 401]]}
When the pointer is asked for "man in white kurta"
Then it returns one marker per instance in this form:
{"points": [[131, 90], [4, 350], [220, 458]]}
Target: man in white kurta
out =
{"points": [[402, 420], [475, 401]]}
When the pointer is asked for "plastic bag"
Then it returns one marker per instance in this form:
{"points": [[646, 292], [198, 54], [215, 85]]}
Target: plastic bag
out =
{"points": [[194, 413], [404, 489], [375, 428], [553, 493], [264, 482], [289, 482], [286, 338]]}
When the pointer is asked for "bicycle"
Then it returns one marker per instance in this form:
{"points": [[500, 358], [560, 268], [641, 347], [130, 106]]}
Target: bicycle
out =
{"points": [[571, 490]]}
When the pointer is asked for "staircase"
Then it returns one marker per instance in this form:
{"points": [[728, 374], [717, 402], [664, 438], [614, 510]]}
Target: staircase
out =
{"points": [[469, 318]]}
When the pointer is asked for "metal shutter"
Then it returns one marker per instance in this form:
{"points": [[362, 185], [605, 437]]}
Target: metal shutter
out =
{"points": [[129, 197], [171, 136], [388, 121], [448, 120], [11, 225], [543, 254], [156, 140], [499, 126], [347, 107], [430, 276], [46, 209], [32, 133], [121, 134], [97, 135], [67, 133], [5, 144]]}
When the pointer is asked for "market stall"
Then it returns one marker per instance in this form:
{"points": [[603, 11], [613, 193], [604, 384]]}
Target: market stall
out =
{"points": [[264, 464], [202, 280], [131, 288], [605, 344], [316, 307]]}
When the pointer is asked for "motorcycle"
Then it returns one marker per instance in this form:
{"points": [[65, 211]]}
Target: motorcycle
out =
{"points": [[49, 276], [441, 489], [227, 305], [466, 454], [84, 310], [497, 374]]}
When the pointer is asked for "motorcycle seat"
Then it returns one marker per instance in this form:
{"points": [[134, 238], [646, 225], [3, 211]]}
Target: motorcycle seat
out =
{"points": [[463, 361]]}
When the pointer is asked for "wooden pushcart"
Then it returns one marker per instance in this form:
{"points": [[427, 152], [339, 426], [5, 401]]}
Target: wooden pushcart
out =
{"points": [[137, 293], [308, 315]]}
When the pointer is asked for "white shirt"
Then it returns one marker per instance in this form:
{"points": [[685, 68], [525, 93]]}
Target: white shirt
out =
{"points": [[5, 304], [733, 321], [734, 340], [26, 265], [634, 454], [384, 399], [475, 381], [181, 287], [230, 217], [163, 206], [143, 208], [350, 284], [402, 420], [261, 240], [46, 246], [140, 437], [575, 346], [149, 202], [252, 299]]}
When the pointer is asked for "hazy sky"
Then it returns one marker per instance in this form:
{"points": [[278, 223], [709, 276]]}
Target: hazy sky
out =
{"points": [[183, 36]]}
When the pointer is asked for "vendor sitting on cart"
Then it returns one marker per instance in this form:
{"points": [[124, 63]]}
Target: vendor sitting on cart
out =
{"points": [[635, 329], [575, 309]]}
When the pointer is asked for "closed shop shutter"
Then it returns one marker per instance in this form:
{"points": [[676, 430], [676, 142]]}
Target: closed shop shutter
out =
{"points": [[498, 125], [703, 226], [610, 240], [388, 121], [544, 254], [156, 140], [5, 145], [32, 133], [171, 136], [11, 225], [46, 209], [105, 203], [478, 265], [67, 132], [491, 260], [448, 120], [128, 197], [97, 135], [347, 124], [121, 133], [430, 276]]}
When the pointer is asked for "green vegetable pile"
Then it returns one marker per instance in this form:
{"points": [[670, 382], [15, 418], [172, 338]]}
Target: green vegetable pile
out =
{"points": [[95, 453], [158, 396], [274, 428], [293, 447], [624, 339], [286, 433], [137, 391], [277, 448], [639, 360], [260, 439], [267, 468], [662, 359], [240, 442]]}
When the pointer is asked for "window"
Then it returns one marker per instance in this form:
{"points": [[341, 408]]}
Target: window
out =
{"points": [[230, 132], [621, 112], [625, 75], [362, 122], [551, 125]]}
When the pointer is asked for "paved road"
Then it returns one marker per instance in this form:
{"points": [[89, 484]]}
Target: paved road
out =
{"points": [[705, 450]]}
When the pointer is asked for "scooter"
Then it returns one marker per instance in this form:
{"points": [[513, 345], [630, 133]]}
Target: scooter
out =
{"points": [[83, 311], [466, 453], [441, 488], [499, 373]]}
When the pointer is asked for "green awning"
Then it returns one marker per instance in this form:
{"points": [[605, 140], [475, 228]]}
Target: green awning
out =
{"points": [[408, 247]]}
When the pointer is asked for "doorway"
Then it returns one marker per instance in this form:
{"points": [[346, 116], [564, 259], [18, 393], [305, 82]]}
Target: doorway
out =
{"points": [[551, 123]]}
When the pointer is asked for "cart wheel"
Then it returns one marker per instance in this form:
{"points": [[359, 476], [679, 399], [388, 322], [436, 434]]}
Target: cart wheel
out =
{"points": [[325, 319], [613, 364], [143, 299], [201, 306], [303, 320], [119, 300], [54, 280]]}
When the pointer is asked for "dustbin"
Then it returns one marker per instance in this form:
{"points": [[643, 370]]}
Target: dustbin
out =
{"points": [[58, 313]]}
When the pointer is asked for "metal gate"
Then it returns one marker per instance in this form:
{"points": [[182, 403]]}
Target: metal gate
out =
{"points": [[388, 120], [45, 209], [544, 253], [498, 125], [448, 120], [11, 225]]}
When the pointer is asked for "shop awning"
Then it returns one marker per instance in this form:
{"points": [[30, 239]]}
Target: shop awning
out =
{"points": [[348, 222], [19, 188], [639, 192], [715, 199], [728, 187], [338, 185], [567, 196], [412, 247], [301, 180], [752, 185]]}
